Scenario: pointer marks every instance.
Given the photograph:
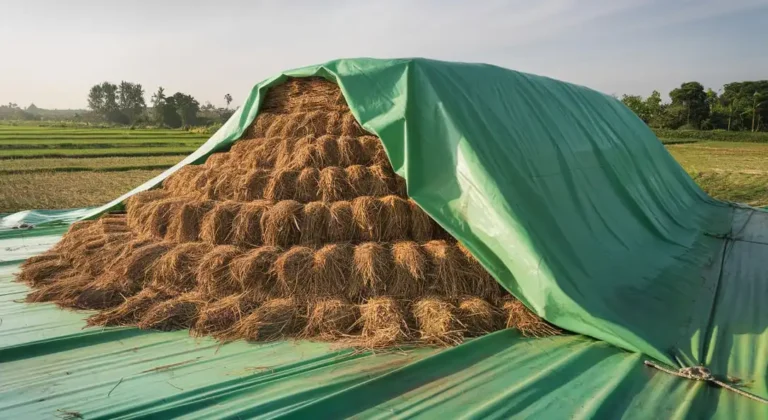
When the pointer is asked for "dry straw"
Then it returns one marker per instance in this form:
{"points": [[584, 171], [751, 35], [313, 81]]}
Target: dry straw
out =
{"points": [[314, 223], [273, 320], [437, 321], [409, 275], [341, 225], [351, 151], [478, 316], [308, 185], [522, 319], [330, 319], [253, 185], [294, 270], [214, 279], [176, 271], [366, 213], [217, 224], [383, 323], [254, 272], [130, 311], [282, 185], [185, 225], [331, 270], [334, 185], [372, 270], [215, 318], [173, 314], [246, 226], [281, 224], [328, 153]]}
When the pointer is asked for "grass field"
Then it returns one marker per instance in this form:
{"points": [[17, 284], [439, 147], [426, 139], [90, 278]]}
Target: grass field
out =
{"points": [[65, 167]]}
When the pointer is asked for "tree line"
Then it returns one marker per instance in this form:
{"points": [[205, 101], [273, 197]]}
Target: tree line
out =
{"points": [[738, 106], [125, 104]]}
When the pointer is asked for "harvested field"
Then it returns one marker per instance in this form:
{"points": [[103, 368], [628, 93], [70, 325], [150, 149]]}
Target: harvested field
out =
{"points": [[301, 229]]}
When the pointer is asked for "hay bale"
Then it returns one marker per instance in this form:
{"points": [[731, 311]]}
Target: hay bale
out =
{"points": [[314, 223], [383, 181], [524, 320], [286, 150], [255, 273], [333, 123], [437, 321], [395, 218], [479, 281], [333, 184], [304, 154], [478, 316], [422, 227], [246, 227], [372, 270], [282, 185], [185, 226], [274, 320], [226, 185], [42, 271], [214, 279], [341, 226], [308, 185], [144, 197], [409, 272], [65, 289], [217, 160], [383, 323], [330, 319], [97, 295], [281, 224], [219, 316], [253, 185], [351, 151], [130, 311], [370, 146], [367, 181], [216, 227], [327, 151], [132, 270], [367, 215], [158, 215], [262, 155], [173, 314], [261, 125], [175, 272], [36, 259], [350, 126], [446, 276], [331, 270], [294, 270]]}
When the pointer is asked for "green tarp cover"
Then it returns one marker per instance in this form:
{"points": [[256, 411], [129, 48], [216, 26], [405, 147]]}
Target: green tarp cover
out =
{"points": [[573, 205]]}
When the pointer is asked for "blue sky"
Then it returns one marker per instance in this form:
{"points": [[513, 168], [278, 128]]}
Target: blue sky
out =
{"points": [[53, 51]]}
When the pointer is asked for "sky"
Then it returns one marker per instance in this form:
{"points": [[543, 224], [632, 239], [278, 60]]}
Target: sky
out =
{"points": [[53, 51]]}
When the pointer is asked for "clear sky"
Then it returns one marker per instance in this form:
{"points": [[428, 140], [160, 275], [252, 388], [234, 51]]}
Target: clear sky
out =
{"points": [[52, 51]]}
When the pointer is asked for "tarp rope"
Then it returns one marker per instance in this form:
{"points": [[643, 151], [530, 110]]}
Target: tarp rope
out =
{"points": [[700, 373]]}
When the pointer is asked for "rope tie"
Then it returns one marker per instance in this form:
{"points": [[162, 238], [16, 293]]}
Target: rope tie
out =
{"points": [[700, 373]]}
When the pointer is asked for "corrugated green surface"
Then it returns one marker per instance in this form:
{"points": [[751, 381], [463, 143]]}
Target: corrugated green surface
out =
{"points": [[574, 206]]}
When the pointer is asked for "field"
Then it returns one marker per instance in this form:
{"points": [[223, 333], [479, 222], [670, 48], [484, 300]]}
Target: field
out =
{"points": [[65, 167]]}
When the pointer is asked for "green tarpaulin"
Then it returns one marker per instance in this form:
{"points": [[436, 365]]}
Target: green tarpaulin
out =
{"points": [[570, 201]]}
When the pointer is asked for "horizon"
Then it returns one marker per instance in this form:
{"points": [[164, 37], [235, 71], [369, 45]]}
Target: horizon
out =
{"points": [[619, 47]]}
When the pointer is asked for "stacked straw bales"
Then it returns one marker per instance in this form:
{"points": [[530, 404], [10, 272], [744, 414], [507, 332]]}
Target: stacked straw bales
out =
{"points": [[301, 229]]}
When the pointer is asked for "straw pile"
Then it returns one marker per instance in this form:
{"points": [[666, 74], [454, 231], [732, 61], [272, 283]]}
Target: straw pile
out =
{"points": [[301, 229]]}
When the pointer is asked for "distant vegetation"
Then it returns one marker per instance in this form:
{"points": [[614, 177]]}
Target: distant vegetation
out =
{"points": [[738, 106], [124, 105]]}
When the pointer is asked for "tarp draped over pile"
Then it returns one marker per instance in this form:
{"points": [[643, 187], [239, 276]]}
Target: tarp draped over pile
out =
{"points": [[568, 199]]}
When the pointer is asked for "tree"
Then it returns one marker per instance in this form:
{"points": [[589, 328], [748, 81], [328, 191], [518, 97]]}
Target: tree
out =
{"points": [[131, 100], [228, 98], [186, 106], [158, 106], [637, 105], [692, 97], [102, 99]]}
